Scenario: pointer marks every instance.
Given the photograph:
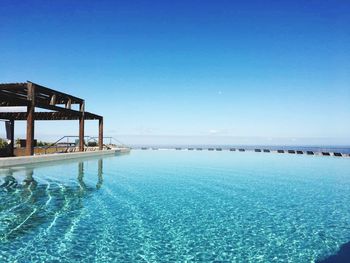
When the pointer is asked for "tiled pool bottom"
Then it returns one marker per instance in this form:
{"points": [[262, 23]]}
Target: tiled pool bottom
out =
{"points": [[171, 206]]}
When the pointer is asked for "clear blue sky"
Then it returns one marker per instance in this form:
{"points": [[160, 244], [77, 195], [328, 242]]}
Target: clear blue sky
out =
{"points": [[211, 69]]}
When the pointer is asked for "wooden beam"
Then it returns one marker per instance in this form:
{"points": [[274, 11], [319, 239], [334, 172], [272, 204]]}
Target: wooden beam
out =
{"points": [[30, 120], [69, 104], [53, 100], [47, 116], [55, 108], [6, 99], [44, 96], [48, 91], [18, 86], [100, 134]]}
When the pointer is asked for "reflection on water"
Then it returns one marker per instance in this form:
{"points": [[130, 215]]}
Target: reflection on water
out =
{"points": [[27, 204], [81, 177], [99, 174], [29, 181]]}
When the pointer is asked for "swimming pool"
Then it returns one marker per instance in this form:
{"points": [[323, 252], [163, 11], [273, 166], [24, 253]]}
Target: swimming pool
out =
{"points": [[167, 206]]}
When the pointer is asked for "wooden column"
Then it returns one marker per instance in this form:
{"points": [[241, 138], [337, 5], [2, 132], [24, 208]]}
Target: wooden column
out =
{"points": [[12, 130], [81, 127], [100, 133], [30, 119]]}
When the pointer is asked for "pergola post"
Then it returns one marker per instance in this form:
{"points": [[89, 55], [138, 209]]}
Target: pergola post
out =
{"points": [[100, 133], [30, 119], [81, 127]]}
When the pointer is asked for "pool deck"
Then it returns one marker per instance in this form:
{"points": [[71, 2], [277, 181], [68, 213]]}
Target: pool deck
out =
{"points": [[25, 160]]}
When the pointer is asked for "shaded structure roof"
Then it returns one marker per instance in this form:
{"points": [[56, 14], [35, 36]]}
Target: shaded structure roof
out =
{"points": [[58, 103]]}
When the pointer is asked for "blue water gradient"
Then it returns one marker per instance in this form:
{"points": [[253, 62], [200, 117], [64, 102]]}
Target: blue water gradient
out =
{"points": [[176, 206]]}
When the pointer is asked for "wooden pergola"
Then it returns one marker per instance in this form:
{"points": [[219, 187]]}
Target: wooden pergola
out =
{"points": [[57, 106]]}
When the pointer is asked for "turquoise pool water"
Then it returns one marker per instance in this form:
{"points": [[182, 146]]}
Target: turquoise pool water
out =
{"points": [[176, 206]]}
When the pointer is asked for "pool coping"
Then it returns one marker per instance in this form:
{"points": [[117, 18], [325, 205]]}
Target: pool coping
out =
{"points": [[25, 160]]}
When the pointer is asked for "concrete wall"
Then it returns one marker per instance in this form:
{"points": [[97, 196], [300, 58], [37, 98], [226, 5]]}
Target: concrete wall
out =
{"points": [[23, 160]]}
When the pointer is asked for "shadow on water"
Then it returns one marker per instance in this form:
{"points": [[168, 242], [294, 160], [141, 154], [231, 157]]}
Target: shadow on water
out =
{"points": [[343, 255], [28, 204]]}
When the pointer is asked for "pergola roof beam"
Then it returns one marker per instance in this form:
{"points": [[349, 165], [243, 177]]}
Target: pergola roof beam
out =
{"points": [[62, 98], [7, 99], [46, 116], [42, 93]]}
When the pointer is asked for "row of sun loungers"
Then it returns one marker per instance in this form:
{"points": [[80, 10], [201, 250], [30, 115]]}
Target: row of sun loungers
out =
{"points": [[291, 151], [337, 154]]}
